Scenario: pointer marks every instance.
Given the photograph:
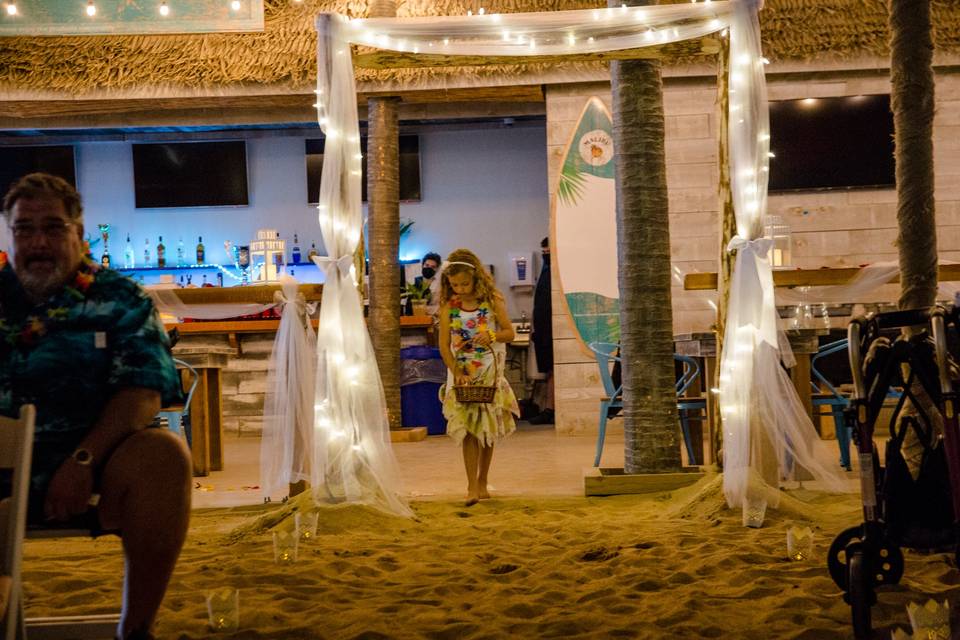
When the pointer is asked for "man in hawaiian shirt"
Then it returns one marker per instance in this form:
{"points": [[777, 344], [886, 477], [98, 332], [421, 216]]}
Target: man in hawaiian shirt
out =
{"points": [[86, 347]]}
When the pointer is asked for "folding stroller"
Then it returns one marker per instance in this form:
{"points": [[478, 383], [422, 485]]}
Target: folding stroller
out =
{"points": [[912, 501]]}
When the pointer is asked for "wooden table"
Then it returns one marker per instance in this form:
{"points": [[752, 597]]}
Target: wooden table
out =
{"points": [[703, 347], [206, 408]]}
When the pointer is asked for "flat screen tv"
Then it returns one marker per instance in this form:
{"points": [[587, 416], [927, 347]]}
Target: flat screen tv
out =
{"points": [[16, 162], [831, 143], [409, 168], [190, 174]]}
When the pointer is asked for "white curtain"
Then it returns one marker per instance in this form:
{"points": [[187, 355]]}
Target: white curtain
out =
{"points": [[757, 396]]}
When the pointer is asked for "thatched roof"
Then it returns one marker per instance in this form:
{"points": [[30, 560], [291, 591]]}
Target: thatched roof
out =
{"points": [[285, 52]]}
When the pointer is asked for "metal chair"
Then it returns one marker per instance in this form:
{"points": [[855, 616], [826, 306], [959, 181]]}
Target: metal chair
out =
{"points": [[178, 418], [606, 354], [827, 395]]}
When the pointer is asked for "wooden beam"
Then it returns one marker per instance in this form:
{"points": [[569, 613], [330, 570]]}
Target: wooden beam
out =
{"points": [[809, 277], [381, 59]]}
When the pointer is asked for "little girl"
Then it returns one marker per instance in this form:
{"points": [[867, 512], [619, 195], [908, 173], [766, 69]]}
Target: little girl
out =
{"points": [[474, 316]]}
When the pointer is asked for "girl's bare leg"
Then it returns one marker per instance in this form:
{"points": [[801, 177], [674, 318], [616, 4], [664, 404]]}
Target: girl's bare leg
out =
{"points": [[471, 456], [486, 456]]}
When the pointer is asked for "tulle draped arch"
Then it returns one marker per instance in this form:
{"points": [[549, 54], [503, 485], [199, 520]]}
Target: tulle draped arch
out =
{"points": [[755, 392]]}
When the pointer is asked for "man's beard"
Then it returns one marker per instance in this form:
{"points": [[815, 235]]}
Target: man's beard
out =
{"points": [[40, 286]]}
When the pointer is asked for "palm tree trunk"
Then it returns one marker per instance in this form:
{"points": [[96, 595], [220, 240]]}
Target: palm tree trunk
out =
{"points": [[383, 214], [912, 101], [651, 424]]}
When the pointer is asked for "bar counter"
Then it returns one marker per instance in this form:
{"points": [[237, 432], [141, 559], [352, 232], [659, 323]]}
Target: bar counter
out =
{"points": [[232, 359]]}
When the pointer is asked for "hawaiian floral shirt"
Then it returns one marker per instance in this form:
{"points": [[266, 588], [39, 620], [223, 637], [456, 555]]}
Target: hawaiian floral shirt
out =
{"points": [[68, 355]]}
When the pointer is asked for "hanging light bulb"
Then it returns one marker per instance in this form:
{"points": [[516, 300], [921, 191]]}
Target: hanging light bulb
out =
{"points": [[91, 8], [11, 8], [164, 9], [235, 5]]}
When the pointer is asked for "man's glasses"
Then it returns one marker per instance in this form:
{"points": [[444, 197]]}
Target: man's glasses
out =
{"points": [[56, 230]]}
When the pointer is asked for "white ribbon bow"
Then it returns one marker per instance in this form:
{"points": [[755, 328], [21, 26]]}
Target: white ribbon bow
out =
{"points": [[342, 263], [760, 245]]}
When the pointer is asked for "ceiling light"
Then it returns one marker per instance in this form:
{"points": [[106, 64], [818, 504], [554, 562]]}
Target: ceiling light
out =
{"points": [[235, 5], [11, 8], [164, 9], [91, 9]]}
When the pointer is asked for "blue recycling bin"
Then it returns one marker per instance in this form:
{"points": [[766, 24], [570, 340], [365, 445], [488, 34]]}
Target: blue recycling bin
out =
{"points": [[422, 373]]}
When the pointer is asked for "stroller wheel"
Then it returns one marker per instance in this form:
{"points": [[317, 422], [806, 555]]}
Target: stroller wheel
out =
{"points": [[861, 595], [888, 563]]}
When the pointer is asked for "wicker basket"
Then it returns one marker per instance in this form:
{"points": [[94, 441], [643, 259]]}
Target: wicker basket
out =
{"points": [[474, 393], [470, 393]]}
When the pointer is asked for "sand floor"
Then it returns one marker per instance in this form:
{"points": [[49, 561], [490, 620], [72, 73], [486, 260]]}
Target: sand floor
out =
{"points": [[525, 564]]}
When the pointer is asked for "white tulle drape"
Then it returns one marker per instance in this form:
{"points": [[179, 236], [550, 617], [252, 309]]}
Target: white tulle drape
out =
{"points": [[756, 396], [286, 447], [766, 432], [352, 457]]}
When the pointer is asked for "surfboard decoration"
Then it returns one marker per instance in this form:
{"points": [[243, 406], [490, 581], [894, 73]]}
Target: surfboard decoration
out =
{"points": [[585, 227]]}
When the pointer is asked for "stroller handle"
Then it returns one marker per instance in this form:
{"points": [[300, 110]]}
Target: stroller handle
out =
{"points": [[853, 352], [940, 341]]}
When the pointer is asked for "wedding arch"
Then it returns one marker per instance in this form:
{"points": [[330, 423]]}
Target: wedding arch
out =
{"points": [[351, 454]]}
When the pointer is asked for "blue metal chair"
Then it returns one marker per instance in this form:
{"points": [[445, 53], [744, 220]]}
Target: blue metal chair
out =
{"points": [[178, 419], [826, 395], [606, 353]]}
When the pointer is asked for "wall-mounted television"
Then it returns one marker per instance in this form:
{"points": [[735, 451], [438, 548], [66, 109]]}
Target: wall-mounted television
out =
{"points": [[190, 174], [409, 168], [16, 162], [831, 143]]}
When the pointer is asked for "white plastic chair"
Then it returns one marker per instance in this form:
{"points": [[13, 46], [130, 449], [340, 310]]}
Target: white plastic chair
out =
{"points": [[16, 448]]}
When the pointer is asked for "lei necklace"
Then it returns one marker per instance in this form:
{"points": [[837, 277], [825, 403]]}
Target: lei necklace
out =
{"points": [[37, 325]]}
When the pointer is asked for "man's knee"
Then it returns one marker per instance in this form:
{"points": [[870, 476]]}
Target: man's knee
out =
{"points": [[149, 455]]}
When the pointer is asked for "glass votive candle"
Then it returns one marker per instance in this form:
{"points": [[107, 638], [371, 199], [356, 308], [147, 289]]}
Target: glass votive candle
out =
{"points": [[754, 512], [223, 609], [285, 546], [307, 524], [931, 620], [799, 543]]}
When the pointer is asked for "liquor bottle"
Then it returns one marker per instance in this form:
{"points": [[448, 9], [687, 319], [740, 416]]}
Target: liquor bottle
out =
{"points": [[200, 250], [313, 252], [181, 282], [129, 261], [146, 252], [205, 283], [180, 252], [295, 255], [220, 279], [189, 281], [161, 254]]}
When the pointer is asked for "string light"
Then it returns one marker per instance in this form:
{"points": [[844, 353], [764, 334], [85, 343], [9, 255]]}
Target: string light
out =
{"points": [[235, 5], [11, 8], [164, 9], [91, 9]]}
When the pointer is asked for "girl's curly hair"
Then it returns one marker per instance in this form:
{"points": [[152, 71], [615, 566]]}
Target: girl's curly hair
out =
{"points": [[483, 285]]}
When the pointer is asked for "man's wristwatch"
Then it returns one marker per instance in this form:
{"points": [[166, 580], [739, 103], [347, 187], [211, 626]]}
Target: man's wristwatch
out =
{"points": [[82, 457]]}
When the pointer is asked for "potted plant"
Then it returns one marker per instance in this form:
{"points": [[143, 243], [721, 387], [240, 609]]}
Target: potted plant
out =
{"points": [[417, 295]]}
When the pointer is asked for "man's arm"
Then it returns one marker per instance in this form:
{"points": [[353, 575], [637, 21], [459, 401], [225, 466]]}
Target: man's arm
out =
{"points": [[129, 410]]}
